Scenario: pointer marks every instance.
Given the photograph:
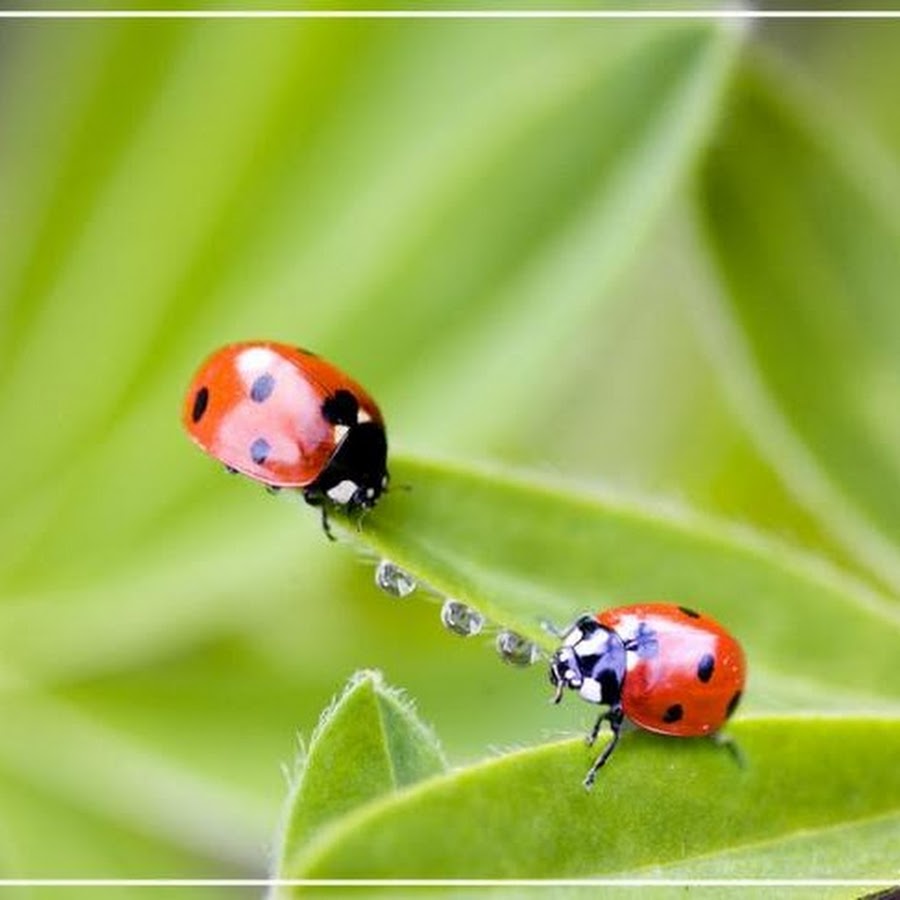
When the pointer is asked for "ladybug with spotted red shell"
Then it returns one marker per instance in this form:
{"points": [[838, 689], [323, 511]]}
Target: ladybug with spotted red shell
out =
{"points": [[665, 667], [289, 419]]}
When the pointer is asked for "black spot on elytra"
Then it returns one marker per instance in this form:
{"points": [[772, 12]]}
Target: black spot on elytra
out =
{"points": [[732, 704], [262, 388], [674, 713], [340, 408], [201, 401], [259, 451], [705, 667], [306, 352], [690, 612]]}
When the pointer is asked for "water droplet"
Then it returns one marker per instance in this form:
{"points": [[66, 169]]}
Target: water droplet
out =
{"points": [[516, 650], [461, 619], [393, 580]]}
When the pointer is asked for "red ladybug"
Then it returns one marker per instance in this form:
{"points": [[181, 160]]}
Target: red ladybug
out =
{"points": [[289, 419], [665, 667]]}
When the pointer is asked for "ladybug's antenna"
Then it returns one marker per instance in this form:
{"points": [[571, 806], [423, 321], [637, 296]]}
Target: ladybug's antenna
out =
{"points": [[550, 628]]}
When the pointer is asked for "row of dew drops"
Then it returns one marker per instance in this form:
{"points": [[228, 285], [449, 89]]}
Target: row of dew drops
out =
{"points": [[457, 617]]}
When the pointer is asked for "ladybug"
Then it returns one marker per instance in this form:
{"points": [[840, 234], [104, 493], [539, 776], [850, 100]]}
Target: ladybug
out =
{"points": [[666, 668], [289, 419]]}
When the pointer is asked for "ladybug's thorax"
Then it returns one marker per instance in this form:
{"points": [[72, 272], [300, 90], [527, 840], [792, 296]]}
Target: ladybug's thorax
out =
{"points": [[356, 475], [592, 661]]}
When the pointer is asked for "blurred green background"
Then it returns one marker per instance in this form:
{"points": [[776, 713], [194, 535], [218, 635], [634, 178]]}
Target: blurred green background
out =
{"points": [[653, 255]]}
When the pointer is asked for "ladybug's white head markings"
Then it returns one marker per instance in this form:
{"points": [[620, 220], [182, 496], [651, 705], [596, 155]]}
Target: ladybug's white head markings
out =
{"points": [[343, 492], [591, 661]]}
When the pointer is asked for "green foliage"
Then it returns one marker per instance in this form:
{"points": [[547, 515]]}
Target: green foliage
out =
{"points": [[660, 800], [641, 254], [523, 551], [368, 744], [809, 316]]}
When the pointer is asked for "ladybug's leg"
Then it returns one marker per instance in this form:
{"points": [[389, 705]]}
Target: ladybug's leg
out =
{"points": [[359, 518], [360, 503], [731, 745], [591, 738], [325, 526], [314, 498], [614, 716]]}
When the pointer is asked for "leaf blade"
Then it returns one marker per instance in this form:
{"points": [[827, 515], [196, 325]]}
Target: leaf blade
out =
{"points": [[804, 229], [863, 849], [368, 743], [522, 548], [662, 800]]}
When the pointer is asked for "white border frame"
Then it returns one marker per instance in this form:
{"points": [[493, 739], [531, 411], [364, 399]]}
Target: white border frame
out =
{"points": [[437, 14], [735, 14]]}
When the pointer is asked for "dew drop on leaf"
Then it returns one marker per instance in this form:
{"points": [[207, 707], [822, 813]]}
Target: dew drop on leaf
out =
{"points": [[516, 650], [393, 580], [461, 619]]}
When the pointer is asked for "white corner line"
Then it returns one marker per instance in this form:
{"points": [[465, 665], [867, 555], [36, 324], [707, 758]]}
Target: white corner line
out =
{"points": [[552, 14], [450, 882]]}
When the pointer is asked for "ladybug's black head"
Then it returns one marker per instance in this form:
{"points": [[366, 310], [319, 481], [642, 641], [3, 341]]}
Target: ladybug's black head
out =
{"points": [[564, 672], [591, 661], [356, 475]]}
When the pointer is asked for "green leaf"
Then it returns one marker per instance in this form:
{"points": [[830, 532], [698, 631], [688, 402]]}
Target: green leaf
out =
{"points": [[523, 548], [802, 215], [862, 849], [368, 743], [651, 106], [659, 801]]}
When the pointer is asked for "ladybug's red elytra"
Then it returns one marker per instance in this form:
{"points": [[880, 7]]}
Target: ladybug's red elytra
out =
{"points": [[289, 419], [665, 667]]}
